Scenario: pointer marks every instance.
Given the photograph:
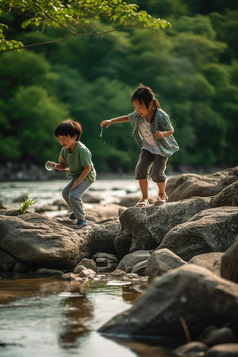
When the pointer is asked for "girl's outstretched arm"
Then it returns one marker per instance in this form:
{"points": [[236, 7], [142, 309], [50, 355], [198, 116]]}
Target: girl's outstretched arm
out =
{"points": [[109, 122]]}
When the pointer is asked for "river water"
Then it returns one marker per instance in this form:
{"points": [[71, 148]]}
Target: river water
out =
{"points": [[46, 192], [50, 317]]}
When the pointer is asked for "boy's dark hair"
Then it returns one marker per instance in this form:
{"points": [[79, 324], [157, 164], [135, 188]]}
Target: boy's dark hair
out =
{"points": [[69, 127], [145, 95]]}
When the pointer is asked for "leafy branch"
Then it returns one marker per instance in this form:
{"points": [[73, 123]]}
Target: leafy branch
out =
{"points": [[75, 17]]}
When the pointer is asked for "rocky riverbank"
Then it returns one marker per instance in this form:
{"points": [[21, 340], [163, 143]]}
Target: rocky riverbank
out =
{"points": [[185, 249], [31, 172]]}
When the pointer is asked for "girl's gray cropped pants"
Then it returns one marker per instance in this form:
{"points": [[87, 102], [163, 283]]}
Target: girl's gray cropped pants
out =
{"points": [[144, 164]]}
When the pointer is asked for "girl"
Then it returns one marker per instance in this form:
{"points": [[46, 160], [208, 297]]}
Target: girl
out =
{"points": [[152, 130]]}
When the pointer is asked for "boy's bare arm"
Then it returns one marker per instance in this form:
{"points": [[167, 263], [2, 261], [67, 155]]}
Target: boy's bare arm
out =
{"points": [[62, 165]]}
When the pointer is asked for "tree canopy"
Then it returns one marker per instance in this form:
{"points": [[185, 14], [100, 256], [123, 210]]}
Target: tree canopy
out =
{"points": [[75, 17], [192, 67]]}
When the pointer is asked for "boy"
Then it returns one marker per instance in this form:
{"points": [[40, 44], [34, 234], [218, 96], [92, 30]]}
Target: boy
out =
{"points": [[77, 158]]}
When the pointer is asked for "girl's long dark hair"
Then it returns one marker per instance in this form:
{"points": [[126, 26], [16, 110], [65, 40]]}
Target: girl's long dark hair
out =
{"points": [[145, 95]]}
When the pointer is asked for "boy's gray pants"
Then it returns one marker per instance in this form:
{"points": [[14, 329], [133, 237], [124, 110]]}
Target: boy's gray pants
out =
{"points": [[73, 198]]}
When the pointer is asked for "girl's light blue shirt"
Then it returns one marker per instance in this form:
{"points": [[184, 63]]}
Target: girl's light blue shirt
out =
{"points": [[160, 122]]}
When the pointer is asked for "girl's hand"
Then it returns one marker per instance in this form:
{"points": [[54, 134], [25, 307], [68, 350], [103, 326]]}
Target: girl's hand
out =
{"points": [[159, 134], [106, 122]]}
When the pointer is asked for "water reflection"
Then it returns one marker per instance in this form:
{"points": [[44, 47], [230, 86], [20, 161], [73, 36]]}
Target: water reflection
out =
{"points": [[60, 318], [145, 350], [15, 289], [131, 292], [78, 313]]}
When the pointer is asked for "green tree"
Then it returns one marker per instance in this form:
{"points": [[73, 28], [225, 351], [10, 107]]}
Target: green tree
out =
{"points": [[27, 68], [192, 68], [168, 8], [29, 112], [74, 17], [9, 143], [90, 103], [226, 27], [34, 116]]}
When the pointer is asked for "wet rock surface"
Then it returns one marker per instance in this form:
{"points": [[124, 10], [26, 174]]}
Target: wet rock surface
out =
{"points": [[185, 186], [184, 251], [158, 312], [145, 228], [212, 230]]}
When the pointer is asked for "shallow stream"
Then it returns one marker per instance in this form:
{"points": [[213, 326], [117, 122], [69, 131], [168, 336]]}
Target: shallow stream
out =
{"points": [[54, 318], [47, 192]]}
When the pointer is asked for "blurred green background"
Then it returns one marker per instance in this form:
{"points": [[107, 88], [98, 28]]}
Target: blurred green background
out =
{"points": [[192, 67]]}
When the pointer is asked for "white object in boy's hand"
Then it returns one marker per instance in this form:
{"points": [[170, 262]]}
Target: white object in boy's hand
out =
{"points": [[50, 165]]}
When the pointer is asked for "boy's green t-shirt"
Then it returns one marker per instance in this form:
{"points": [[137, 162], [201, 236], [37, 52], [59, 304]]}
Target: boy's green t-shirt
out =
{"points": [[77, 160]]}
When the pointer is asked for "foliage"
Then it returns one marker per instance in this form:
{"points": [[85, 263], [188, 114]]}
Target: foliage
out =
{"points": [[27, 203], [75, 17], [192, 67], [32, 111]]}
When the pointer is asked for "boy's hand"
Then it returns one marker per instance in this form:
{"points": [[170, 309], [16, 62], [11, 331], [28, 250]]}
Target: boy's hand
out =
{"points": [[106, 122]]}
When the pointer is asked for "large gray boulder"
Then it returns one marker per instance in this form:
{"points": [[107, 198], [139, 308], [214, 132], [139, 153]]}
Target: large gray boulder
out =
{"points": [[145, 228], [7, 262], [139, 268], [179, 298], [37, 240], [161, 261], [214, 336], [103, 212], [211, 261], [99, 238], [229, 266], [212, 230], [94, 212], [194, 348], [224, 350], [130, 260], [105, 262], [190, 185], [227, 197]]}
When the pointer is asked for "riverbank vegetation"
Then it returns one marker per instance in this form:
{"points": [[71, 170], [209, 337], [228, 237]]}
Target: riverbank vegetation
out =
{"points": [[192, 67]]}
